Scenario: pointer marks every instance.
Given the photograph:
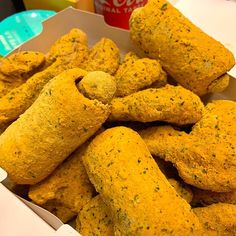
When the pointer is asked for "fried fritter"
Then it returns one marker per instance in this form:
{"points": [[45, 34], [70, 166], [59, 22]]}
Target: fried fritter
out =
{"points": [[190, 56], [139, 197], [218, 219], [71, 46], [205, 197], [67, 187], [172, 104], [94, 219], [182, 189], [135, 74], [204, 158], [98, 85], [62, 118], [65, 54], [17, 68], [104, 56]]}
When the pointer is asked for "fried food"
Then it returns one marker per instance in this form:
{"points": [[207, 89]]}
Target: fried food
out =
{"points": [[204, 158], [18, 100], [135, 74], [172, 104], [94, 219], [17, 68], [62, 212], [205, 197], [71, 46], [104, 56], [218, 219], [182, 189], [67, 53], [98, 85], [191, 57], [139, 197], [68, 187], [58, 122]]}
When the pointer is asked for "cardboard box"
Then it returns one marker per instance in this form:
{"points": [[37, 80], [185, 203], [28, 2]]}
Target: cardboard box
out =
{"points": [[18, 216]]}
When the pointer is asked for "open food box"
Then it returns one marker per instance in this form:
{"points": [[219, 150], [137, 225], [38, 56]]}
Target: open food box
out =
{"points": [[18, 216]]}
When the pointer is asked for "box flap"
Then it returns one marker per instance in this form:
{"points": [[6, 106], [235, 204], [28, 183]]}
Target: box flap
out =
{"points": [[3, 174]]}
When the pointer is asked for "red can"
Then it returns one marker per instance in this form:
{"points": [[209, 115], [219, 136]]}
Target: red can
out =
{"points": [[117, 12]]}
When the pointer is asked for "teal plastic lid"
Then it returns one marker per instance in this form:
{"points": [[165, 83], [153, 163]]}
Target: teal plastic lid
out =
{"points": [[20, 27]]}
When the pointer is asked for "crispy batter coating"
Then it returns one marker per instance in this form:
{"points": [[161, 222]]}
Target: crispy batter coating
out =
{"points": [[190, 56], [220, 84], [204, 158], [182, 189], [18, 100], [218, 219], [172, 104], [94, 219], [67, 187], [68, 54], [59, 121], [98, 85], [17, 68], [139, 197], [104, 56], [71, 46], [61, 211], [135, 74], [206, 197]]}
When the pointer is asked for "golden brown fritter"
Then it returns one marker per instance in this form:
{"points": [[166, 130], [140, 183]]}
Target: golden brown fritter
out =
{"points": [[218, 219], [172, 104], [182, 189], [190, 56], [17, 68], [94, 219], [206, 197], [67, 187], [135, 74], [71, 46], [204, 158], [98, 85], [19, 99], [61, 211], [104, 56], [139, 197], [62, 118], [68, 52]]}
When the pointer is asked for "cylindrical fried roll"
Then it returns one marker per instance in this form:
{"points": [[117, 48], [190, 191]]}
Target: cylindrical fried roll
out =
{"points": [[191, 57], [68, 186], [173, 104], [59, 121], [139, 197], [94, 219]]}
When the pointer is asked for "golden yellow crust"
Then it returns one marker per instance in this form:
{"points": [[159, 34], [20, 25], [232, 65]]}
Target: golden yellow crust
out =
{"points": [[190, 56], [98, 85], [59, 121], [71, 46], [104, 56], [172, 104], [135, 191], [204, 158], [17, 68], [182, 189], [94, 219], [135, 74], [68, 186], [218, 219]]}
